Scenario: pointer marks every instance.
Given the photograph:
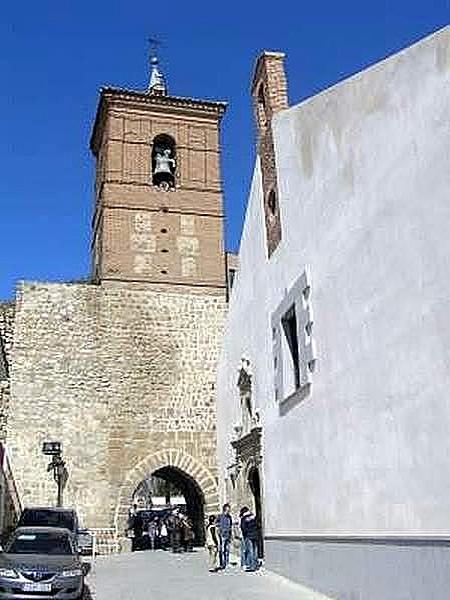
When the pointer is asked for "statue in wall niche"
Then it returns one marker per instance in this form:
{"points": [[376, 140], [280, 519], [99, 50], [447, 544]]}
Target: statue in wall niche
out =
{"points": [[245, 394], [246, 412], [163, 174]]}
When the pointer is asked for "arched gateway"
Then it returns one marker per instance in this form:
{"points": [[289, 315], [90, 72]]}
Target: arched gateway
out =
{"points": [[195, 480]]}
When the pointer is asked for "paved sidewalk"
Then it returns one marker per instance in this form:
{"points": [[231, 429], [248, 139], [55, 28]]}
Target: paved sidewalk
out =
{"points": [[161, 575]]}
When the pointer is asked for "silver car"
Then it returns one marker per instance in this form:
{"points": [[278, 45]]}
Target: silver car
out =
{"points": [[41, 562]]}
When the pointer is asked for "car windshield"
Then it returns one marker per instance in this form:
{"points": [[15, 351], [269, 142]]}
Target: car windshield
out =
{"points": [[42, 542], [46, 518]]}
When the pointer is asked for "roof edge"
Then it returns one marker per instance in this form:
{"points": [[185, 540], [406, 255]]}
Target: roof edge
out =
{"points": [[110, 92]]}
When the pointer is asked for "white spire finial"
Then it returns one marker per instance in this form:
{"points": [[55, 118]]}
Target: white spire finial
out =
{"points": [[157, 85]]}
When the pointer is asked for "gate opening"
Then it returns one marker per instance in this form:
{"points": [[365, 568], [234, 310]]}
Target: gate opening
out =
{"points": [[171, 487]]}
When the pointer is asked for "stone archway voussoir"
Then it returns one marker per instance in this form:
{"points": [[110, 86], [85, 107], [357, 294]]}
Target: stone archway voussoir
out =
{"points": [[211, 499], [210, 490], [183, 463], [167, 457], [177, 459], [140, 472], [205, 483]]}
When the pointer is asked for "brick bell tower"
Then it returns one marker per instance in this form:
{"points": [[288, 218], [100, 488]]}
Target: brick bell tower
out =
{"points": [[158, 192]]}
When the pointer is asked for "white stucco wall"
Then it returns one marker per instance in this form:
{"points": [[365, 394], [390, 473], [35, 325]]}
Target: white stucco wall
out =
{"points": [[364, 177]]}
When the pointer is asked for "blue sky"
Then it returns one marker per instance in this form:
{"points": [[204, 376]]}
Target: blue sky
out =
{"points": [[55, 55]]}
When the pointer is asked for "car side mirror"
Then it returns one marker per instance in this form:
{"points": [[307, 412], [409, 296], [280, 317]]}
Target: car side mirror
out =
{"points": [[86, 568]]}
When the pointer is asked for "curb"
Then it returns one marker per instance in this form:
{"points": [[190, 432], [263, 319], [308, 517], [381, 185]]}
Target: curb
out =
{"points": [[308, 593]]}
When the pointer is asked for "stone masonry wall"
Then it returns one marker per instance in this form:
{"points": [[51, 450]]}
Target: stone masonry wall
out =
{"points": [[7, 313], [117, 374]]}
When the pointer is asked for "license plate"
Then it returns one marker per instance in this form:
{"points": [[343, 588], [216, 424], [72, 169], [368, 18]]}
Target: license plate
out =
{"points": [[37, 587]]}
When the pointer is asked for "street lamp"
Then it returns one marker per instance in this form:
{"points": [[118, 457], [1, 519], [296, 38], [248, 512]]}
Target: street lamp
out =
{"points": [[58, 466]]}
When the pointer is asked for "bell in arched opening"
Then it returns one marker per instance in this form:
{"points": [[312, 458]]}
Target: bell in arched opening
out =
{"points": [[164, 162]]}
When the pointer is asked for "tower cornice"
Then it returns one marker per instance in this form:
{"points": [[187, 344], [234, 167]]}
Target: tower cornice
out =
{"points": [[112, 95]]}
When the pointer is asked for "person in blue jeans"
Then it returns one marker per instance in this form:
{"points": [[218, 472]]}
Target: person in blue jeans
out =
{"points": [[237, 535], [249, 528], [224, 528]]}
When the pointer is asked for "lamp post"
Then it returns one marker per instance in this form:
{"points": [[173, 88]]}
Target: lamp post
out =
{"points": [[58, 466]]}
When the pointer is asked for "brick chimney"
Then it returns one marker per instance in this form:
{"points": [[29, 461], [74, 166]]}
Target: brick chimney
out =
{"points": [[269, 91]]}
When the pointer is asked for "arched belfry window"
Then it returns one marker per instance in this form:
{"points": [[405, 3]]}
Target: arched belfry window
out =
{"points": [[164, 161]]}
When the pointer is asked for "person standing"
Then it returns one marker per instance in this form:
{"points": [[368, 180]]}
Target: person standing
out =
{"points": [[188, 535], [212, 544], [152, 531], [224, 526], [163, 535], [176, 531], [131, 514], [138, 526], [249, 528], [237, 535], [173, 529]]}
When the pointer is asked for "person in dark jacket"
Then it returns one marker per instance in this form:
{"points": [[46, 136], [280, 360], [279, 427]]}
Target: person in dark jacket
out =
{"points": [[138, 526], [224, 529], [188, 534], [174, 527], [249, 528]]}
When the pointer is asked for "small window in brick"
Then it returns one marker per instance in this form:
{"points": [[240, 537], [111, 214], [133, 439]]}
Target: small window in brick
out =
{"points": [[231, 276], [272, 203], [262, 107]]}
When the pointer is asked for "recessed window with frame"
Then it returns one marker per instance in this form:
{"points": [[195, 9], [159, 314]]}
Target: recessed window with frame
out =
{"points": [[294, 352]]}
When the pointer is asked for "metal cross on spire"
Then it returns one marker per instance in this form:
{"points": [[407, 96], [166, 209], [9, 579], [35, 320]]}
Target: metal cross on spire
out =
{"points": [[157, 85]]}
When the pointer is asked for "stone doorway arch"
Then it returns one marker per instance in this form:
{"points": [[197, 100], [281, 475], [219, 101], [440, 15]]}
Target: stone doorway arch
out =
{"points": [[190, 470]]}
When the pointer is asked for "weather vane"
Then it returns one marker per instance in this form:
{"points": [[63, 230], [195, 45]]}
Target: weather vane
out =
{"points": [[154, 44], [157, 85]]}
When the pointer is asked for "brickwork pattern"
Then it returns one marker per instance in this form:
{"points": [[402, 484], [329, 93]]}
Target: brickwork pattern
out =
{"points": [[117, 373], [270, 189], [269, 96], [138, 226], [144, 245]]}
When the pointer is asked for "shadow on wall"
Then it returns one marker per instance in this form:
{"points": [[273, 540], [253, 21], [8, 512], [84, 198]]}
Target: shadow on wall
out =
{"points": [[291, 401], [87, 595]]}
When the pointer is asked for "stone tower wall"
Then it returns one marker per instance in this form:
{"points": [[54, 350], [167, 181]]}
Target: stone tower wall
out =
{"points": [[7, 313], [117, 373]]}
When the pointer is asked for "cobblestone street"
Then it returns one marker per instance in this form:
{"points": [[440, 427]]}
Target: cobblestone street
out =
{"points": [[148, 575]]}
